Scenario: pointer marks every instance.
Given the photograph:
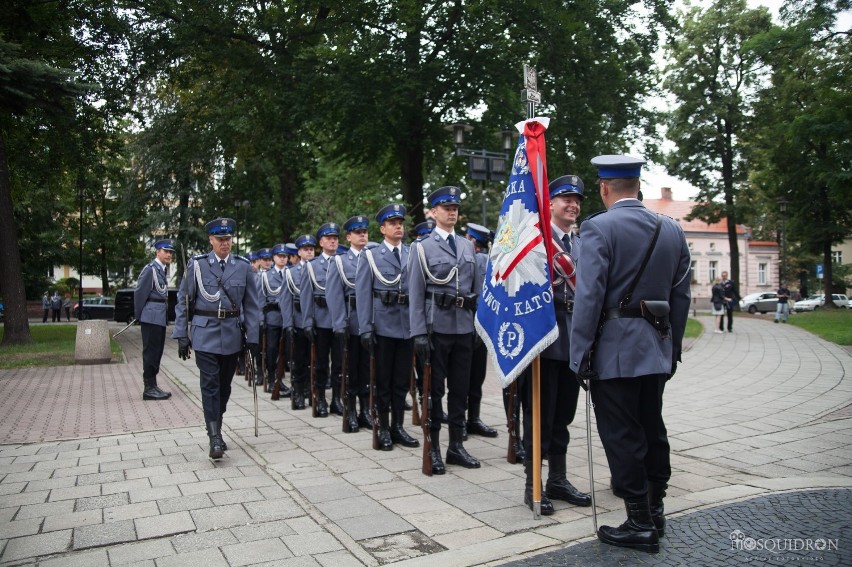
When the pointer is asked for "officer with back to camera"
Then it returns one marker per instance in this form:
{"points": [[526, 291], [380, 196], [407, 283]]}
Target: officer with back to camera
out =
{"points": [[150, 308], [638, 346], [223, 297]]}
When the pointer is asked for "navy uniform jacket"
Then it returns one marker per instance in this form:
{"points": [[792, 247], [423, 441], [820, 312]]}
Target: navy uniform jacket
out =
{"points": [[374, 316], [291, 315], [209, 333], [559, 350], [315, 315], [146, 311], [440, 261], [268, 295], [339, 288], [614, 244]]}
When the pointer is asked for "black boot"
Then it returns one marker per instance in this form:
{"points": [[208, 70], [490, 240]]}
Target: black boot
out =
{"points": [[546, 504], [398, 433], [475, 426], [638, 532], [284, 391], [216, 442], [151, 392], [656, 493], [520, 452], [351, 416], [365, 420], [297, 398], [385, 441], [322, 404], [336, 405], [224, 445], [558, 487], [156, 387], [437, 463], [456, 453]]}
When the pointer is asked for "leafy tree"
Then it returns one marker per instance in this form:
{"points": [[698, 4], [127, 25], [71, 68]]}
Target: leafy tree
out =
{"points": [[713, 76]]}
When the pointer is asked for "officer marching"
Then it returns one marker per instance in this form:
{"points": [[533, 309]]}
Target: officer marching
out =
{"points": [[444, 283], [221, 292], [292, 315], [150, 306], [381, 291]]}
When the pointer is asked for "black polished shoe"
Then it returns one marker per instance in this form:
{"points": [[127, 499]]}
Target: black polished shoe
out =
{"points": [[546, 504], [656, 493], [638, 532], [216, 441], [477, 427], [154, 393], [336, 406], [365, 421], [322, 407], [298, 400], [437, 463], [385, 441], [400, 435], [457, 454], [520, 453], [562, 489], [352, 421], [285, 392]]}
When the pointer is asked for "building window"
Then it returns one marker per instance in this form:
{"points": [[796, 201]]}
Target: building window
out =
{"points": [[762, 273], [712, 247], [837, 257], [692, 266], [714, 270]]}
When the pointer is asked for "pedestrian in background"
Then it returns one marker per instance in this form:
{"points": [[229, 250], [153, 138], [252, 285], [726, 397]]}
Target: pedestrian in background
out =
{"points": [[718, 304], [45, 307], [56, 307], [783, 308], [67, 306]]}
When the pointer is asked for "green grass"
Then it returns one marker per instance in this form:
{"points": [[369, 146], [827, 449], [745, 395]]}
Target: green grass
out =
{"points": [[833, 325], [53, 345], [693, 328]]}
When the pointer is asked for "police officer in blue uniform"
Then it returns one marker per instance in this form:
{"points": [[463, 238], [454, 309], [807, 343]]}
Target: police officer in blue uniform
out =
{"points": [[293, 320], [222, 292], [638, 347], [150, 302], [340, 294], [318, 320], [443, 285], [559, 387], [381, 291], [271, 287], [481, 237]]}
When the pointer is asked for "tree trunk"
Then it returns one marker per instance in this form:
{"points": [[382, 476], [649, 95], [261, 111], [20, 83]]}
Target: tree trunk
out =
{"points": [[16, 328], [287, 197], [730, 210], [411, 168], [828, 273]]}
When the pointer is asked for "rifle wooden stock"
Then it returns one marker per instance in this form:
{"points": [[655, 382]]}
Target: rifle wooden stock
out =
{"points": [[344, 383], [293, 369], [511, 423], [374, 411], [313, 378], [262, 359], [426, 420], [412, 389], [280, 367]]}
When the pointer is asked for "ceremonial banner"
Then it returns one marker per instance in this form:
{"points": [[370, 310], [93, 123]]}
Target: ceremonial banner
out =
{"points": [[515, 315]]}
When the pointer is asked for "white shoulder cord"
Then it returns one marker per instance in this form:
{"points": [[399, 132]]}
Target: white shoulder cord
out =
{"points": [[264, 282], [291, 285], [313, 277], [200, 286], [377, 274], [339, 261], [156, 281], [423, 266]]}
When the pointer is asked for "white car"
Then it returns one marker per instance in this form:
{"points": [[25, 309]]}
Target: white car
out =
{"points": [[814, 302]]}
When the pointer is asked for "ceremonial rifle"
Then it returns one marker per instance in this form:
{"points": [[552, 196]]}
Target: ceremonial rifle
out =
{"points": [[374, 399], [313, 378], [251, 374], [511, 422], [344, 380], [426, 420], [263, 350], [186, 298], [412, 389], [280, 368]]}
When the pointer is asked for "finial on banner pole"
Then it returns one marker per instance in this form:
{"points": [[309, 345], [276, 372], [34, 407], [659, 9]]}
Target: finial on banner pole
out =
{"points": [[530, 93]]}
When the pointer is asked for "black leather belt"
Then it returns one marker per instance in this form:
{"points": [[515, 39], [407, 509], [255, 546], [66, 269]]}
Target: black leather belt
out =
{"points": [[156, 300], [297, 305], [390, 297], [221, 314], [618, 313], [270, 307], [320, 300], [447, 300], [351, 301]]}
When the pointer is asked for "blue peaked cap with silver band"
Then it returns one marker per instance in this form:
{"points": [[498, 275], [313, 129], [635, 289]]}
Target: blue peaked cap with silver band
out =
{"points": [[328, 229], [265, 254], [221, 227], [252, 256], [306, 240], [279, 249], [392, 211], [448, 195], [165, 244], [291, 249], [567, 185], [480, 233], [424, 228], [356, 222], [618, 166]]}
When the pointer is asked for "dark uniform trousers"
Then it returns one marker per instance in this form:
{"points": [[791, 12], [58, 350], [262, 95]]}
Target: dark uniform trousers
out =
{"points": [[393, 372], [153, 342], [478, 362], [559, 390], [358, 368], [451, 356], [273, 337], [217, 371], [301, 358], [327, 349], [630, 423]]}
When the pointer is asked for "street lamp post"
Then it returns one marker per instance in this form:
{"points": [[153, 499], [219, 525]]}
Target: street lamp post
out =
{"points": [[483, 164], [782, 208]]}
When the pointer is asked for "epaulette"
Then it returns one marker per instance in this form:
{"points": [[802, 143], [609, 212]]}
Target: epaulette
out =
{"points": [[243, 258], [593, 215], [200, 256]]}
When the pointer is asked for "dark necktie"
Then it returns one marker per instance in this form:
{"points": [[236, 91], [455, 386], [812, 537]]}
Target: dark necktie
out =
{"points": [[566, 240], [222, 264], [396, 255], [452, 242]]}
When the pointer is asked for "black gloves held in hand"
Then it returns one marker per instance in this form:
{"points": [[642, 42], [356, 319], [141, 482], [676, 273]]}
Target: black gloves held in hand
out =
{"points": [[367, 341], [423, 348], [184, 348]]}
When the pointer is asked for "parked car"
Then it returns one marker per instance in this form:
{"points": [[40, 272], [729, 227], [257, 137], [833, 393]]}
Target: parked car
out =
{"points": [[95, 308], [814, 302], [124, 307], [764, 302]]}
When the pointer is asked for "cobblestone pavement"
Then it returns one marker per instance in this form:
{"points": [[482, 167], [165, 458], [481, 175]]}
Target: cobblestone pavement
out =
{"points": [[804, 527], [756, 413]]}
